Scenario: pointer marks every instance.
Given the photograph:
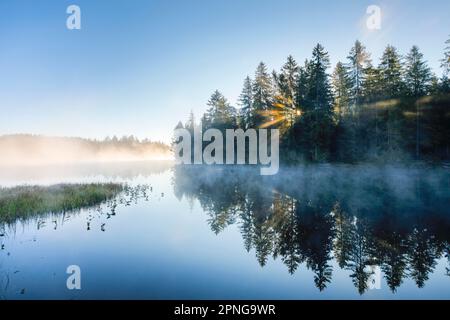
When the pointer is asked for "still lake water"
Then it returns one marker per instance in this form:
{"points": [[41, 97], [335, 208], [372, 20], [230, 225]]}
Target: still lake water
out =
{"points": [[314, 232]]}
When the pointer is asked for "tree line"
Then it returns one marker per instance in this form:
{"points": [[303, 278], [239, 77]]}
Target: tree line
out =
{"points": [[397, 109]]}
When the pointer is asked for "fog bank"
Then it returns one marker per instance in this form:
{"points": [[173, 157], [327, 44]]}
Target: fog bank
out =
{"points": [[41, 150]]}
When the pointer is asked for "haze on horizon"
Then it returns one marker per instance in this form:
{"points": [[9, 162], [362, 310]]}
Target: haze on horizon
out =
{"points": [[30, 150], [139, 67]]}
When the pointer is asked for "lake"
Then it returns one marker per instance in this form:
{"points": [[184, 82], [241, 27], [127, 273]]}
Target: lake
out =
{"points": [[310, 232]]}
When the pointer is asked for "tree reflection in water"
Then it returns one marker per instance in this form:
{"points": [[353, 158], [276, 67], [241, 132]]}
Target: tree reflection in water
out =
{"points": [[394, 218]]}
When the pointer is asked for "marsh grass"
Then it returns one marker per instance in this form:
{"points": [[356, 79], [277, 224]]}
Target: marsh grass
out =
{"points": [[23, 202]]}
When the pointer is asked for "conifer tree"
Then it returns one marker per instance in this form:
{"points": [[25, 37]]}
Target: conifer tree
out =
{"points": [[445, 65], [359, 60], [445, 62], [417, 74], [290, 73], [341, 89], [220, 115], [391, 73], [246, 103], [262, 93], [318, 105]]}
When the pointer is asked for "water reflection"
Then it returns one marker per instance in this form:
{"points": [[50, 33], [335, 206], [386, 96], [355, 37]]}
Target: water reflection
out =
{"points": [[395, 218], [96, 217], [51, 174], [321, 222]]}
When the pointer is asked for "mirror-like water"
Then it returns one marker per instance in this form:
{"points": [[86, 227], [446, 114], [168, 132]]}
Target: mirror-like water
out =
{"points": [[316, 232]]}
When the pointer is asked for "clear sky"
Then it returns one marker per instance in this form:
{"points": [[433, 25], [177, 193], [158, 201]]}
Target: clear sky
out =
{"points": [[138, 67]]}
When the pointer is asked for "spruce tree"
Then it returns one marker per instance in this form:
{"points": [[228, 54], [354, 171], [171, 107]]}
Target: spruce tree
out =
{"points": [[445, 62], [246, 103], [445, 65], [318, 105], [262, 93], [372, 83], [220, 115], [391, 73], [341, 89], [392, 87], [417, 74], [359, 60], [290, 72], [302, 84]]}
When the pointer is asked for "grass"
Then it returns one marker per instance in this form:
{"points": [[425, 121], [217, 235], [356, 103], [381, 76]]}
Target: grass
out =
{"points": [[27, 201]]}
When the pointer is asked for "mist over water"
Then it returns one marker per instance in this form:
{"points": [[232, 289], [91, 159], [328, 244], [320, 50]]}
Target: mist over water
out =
{"points": [[39, 150], [309, 232]]}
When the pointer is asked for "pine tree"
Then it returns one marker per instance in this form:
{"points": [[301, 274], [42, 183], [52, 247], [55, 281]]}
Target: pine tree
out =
{"points": [[341, 89], [392, 87], [318, 105], [445, 65], [445, 62], [372, 93], [302, 84], [417, 74], [359, 60], [372, 83], [417, 81], [262, 93], [220, 115], [391, 73], [246, 103], [290, 72], [319, 95]]}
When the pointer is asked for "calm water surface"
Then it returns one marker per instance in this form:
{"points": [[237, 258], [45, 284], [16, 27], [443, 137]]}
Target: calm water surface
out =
{"points": [[317, 232]]}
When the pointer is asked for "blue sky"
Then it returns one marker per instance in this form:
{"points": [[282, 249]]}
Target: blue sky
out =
{"points": [[137, 67]]}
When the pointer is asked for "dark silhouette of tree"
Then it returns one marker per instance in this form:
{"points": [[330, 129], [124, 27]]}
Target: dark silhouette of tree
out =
{"points": [[286, 244], [305, 218], [221, 115], [315, 236], [417, 74], [246, 103], [341, 88], [359, 60], [418, 81], [262, 94], [360, 255], [343, 236], [422, 256]]}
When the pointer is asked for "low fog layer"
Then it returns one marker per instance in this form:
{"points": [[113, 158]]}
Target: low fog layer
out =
{"points": [[39, 150]]}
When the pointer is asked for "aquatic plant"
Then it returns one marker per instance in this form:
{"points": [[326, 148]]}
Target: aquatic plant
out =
{"points": [[28, 201]]}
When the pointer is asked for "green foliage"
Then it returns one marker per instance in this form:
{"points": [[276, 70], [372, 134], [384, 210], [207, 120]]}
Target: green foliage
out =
{"points": [[417, 74], [341, 87], [246, 103], [28, 201], [359, 60], [391, 73], [396, 111], [221, 115]]}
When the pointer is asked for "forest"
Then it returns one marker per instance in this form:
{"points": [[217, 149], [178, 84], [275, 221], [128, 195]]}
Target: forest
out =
{"points": [[396, 110]]}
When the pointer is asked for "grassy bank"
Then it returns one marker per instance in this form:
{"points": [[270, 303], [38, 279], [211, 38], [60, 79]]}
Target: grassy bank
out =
{"points": [[27, 201]]}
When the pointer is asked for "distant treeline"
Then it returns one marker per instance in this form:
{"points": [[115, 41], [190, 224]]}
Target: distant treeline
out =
{"points": [[35, 149], [397, 110]]}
